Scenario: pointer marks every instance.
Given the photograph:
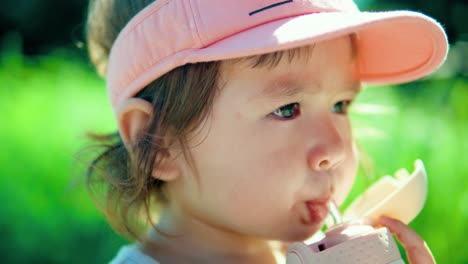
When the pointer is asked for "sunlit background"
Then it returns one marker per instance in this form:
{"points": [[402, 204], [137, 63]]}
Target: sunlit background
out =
{"points": [[50, 97]]}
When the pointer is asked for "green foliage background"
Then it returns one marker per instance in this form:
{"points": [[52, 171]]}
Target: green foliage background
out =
{"points": [[49, 102]]}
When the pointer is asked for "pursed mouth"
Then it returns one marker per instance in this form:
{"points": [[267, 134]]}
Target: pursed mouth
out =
{"points": [[317, 212]]}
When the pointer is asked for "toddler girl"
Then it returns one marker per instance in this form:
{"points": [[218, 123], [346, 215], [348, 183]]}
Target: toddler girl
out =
{"points": [[232, 115]]}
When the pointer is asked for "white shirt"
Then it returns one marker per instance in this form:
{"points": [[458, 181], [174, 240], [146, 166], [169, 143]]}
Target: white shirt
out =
{"points": [[132, 254]]}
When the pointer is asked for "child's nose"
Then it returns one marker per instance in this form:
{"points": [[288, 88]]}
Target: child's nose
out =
{"points": [[329, 150]]}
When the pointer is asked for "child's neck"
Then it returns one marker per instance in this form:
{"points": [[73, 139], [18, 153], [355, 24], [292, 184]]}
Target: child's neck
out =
{"points": [[192, 241]]}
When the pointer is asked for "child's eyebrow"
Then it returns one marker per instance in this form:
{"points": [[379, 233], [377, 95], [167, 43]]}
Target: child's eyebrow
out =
{"points": [[279, 89], [285, 89]]}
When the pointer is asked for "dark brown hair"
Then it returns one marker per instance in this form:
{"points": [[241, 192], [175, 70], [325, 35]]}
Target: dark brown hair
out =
{"points": [[181, 99], [120, 180]]}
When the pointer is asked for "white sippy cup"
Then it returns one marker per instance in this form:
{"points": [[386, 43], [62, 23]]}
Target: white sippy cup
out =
{"points": [[354, 242]]}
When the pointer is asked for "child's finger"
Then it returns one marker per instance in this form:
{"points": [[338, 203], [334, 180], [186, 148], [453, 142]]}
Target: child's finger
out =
{"points": [[416, 248]]}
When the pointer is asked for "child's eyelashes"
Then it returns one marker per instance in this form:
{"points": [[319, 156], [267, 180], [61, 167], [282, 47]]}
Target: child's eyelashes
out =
{"points": [[342, 107], [293, 110], [287, 112]]}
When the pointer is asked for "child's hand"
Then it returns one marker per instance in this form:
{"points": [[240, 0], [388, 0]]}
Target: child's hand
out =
{"points": [[416, 248]]}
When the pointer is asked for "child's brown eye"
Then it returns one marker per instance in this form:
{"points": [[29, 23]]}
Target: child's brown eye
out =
{"points": [[342, 107], [289, 111]]}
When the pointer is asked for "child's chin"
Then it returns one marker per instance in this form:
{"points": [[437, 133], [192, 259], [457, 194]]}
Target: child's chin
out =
{"points": [[302, 233]]}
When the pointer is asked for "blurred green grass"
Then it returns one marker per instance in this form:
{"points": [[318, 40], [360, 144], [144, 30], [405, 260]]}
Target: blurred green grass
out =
{"points": [[48, 104]]}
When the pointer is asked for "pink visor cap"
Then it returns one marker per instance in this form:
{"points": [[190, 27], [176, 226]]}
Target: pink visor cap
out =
{"points": [[393, 47]]}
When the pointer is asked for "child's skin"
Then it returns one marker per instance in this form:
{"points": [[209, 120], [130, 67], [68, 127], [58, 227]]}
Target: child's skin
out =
{"points": [[264, 174]]}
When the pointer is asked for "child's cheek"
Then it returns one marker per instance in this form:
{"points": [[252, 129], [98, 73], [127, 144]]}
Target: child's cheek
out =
{"points": [[283, 170], [271, 172], [346, 174]]}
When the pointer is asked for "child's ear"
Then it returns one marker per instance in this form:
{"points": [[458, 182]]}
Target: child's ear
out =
{"points": [[133, 116]]}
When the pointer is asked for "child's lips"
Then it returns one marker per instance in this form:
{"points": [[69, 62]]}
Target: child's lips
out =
{"points": [[317, 211]]}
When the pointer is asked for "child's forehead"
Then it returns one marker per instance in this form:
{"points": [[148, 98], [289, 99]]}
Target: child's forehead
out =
{"points": [[266, 65], [280, 61], [270, 61]]}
